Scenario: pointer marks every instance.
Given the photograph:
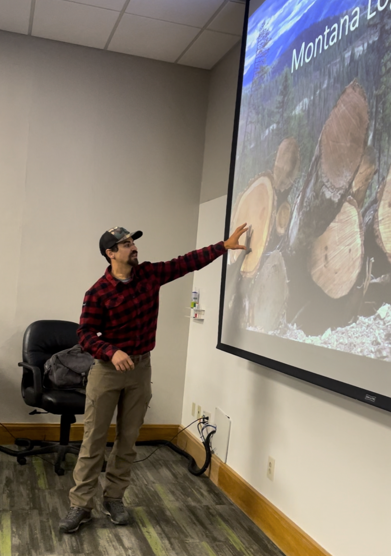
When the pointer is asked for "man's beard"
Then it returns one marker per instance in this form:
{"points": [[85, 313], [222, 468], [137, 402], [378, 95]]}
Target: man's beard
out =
{"points": [[133, 261]]}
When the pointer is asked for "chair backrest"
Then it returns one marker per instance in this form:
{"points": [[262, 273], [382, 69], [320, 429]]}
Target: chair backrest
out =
{"points": [[44, 338]]}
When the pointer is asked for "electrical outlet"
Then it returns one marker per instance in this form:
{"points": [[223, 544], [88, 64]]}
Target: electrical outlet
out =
{"points": [[207, 415], [199, 412], [270, 468], [193, 409]]}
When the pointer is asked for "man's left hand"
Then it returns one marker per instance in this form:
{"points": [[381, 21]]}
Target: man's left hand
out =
{"points": [[233, 241]]}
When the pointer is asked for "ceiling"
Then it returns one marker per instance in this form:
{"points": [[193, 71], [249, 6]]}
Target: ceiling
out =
{"points": [[194, 33]]}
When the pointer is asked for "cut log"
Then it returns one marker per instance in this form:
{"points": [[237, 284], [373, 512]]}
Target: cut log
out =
{"points": [[287, 164], [313, 311], [282, 218], [364, 176], [337, 255], [334, 166], [256, 206], [373, 244], [268, 298], [382, 219]]}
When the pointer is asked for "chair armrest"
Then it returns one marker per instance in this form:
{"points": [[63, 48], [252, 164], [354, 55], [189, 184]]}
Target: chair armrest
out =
{"points": [[37, 379]]}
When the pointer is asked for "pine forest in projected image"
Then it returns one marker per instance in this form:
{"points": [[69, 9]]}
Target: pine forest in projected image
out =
{"points": [[313, 176]]}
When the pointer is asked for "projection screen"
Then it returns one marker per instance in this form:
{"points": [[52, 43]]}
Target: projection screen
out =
{"points": [[311, 176]]}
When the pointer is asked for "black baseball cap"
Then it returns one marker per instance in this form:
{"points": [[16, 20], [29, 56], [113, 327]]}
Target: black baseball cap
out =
{"points": [[114, 236]]}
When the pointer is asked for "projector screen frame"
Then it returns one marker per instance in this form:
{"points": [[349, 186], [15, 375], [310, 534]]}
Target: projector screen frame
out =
{"points": [[368, 397]]}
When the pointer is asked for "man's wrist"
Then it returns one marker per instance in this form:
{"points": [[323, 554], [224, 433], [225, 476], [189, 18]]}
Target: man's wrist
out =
{"points": [[110, 352]]}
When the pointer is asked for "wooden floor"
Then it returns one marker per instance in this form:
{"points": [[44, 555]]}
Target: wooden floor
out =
{"points": [[173, 513]]}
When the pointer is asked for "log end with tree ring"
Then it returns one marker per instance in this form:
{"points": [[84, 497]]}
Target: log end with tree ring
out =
{"points": [[287, 164], [233, 255], [343, 139], [256, 206], [382, 223], [364, 176], [337, 255], [282, 218], [269, 294]]}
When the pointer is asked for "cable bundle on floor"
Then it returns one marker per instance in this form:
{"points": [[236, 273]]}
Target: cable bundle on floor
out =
{"points": [[192, 466]]}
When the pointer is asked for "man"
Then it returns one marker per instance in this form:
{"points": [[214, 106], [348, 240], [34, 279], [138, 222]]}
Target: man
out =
{"points": [[118, 327]]}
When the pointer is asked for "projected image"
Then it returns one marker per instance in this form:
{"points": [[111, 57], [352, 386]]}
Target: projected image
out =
{"points": [[312, 178]]}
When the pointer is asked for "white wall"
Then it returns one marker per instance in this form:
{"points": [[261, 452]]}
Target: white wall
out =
{"points": [[90, 140], [333, 454]]}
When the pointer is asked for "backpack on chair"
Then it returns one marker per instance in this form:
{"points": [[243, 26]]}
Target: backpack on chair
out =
{"points": [[68, 369]]}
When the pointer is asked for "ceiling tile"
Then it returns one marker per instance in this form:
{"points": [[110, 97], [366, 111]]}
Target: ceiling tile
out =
{"points": [[115, 5], [150, 38], [15, 15], [229, 19], [74, 23], [208, 49], [186, 12]]}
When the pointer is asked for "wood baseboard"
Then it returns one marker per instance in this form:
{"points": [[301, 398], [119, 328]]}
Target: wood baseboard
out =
{"points": [[51, 432], [289, 538]]}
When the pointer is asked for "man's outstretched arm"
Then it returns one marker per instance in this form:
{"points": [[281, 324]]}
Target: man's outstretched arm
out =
{"points": [[195, 260]]}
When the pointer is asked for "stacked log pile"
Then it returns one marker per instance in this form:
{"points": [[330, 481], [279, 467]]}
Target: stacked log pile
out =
{"points": [[327, 259]]}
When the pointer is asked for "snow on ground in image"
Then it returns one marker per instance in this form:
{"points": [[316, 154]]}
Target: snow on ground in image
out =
{"points": [[368, 336]]}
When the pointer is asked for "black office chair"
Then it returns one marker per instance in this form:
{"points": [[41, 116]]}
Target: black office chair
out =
{"points": [[41, 340]]}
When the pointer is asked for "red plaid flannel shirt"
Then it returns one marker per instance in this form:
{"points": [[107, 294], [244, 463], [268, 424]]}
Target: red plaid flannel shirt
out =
{"points": [[125, 314]]}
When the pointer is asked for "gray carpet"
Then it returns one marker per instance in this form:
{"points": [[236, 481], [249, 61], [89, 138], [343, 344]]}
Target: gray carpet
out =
{"points": [[172, 513]]}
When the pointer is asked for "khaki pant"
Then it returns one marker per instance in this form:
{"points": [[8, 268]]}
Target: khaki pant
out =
{"points": [[107, 388]]}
